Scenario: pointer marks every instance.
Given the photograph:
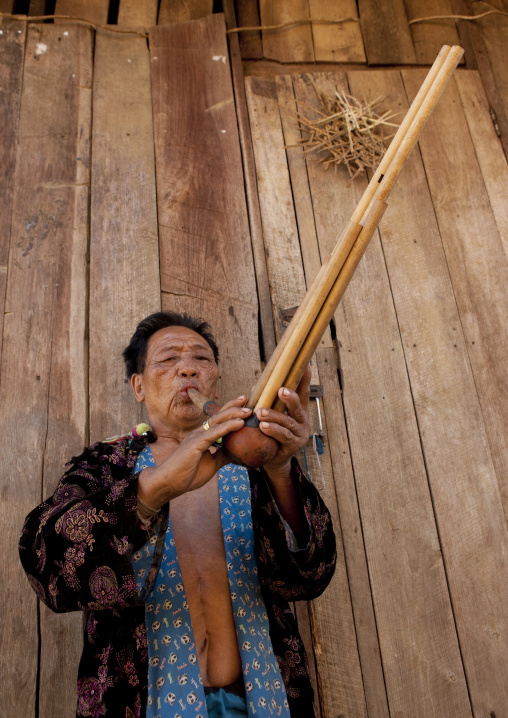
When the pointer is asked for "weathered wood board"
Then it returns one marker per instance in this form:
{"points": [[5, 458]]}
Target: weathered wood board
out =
{"points": [[333, 635], [267, 333], [138, 13], [43, 389], [292, 44], [386, 33], [429, 37], [385, 448], [477, 263], [488, 148], [123, 230], [205, 248], [92, 10], [247, 13], [12, 46], [341, 42], [183, 10]]}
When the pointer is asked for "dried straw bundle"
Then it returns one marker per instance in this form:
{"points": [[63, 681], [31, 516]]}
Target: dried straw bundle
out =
{"points": [[346, 131]]}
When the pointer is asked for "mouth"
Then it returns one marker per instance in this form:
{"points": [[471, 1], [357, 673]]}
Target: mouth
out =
{"points": [[183, 390]]}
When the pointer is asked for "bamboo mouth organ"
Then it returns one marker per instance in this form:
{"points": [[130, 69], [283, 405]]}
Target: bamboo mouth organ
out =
{"points": [[249, 446]]}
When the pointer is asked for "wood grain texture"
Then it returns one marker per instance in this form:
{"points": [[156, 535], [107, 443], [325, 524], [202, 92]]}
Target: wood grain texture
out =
{"points": [[183, 10], [123, 233], [44, 395], [92, 10], [249, 171], [12, 46], [395, 505], [365, 624], [37, 7], [205, 248], [386, 34], [138, 13], [454, 418], [292, 44], [336, 43], [494, 32], [6, 6], [333, 631], [477, 265], [251, 45], [488, 148], [429, 37]]}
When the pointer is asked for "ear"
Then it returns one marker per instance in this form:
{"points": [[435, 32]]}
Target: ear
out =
{"points": [[137, 387]]}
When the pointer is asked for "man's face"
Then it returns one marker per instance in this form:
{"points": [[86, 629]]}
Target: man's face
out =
{"points": [[176, 359]]}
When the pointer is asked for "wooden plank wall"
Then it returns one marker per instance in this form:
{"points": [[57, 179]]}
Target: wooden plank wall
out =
{"points": [[137, 201]]}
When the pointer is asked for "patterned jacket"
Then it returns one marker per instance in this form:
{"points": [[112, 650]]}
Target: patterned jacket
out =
{"points": [[76, 550]]}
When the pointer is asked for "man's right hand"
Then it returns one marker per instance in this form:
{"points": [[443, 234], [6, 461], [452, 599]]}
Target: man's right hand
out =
{"points": [[193, 462]]}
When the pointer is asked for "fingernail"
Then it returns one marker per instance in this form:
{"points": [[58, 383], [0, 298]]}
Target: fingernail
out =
{"points": [[264, 412], [242, 397], [285, 392], [238, 419], [264, 425], [246, 410]]}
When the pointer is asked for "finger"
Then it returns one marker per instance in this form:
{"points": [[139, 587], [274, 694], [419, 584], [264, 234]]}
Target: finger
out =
{"points": [[232, 412], [277, 417], [303, 388], [290, 442], [293, 404]]}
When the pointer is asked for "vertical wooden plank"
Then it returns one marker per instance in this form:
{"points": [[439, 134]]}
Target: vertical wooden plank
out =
{"points": [[396, 510], [124, 269], [477, 263], [6, 6], [386, 34], [251, 46], [488, 148], [12, 48], [494, 31], [92, 10], [429, 37], [44, 395], [206, 254], [337, 43], [366, 633], [293, 44], [333, 631], [183, 10], [463, 483], [37, 8], [136, 13], [249, 171]]}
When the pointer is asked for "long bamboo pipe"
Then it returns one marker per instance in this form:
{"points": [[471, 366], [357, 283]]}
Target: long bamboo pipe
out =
{"points": [[333, 263], [387, 172], [249, 445]]}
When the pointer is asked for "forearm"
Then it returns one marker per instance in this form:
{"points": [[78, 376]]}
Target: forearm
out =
{"points": [[283, 484]]}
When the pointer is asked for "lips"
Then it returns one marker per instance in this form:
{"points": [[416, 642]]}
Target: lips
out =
{"points": [[183, 390]]}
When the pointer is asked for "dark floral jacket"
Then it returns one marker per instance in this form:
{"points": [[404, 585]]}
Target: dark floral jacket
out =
{"points": [[76, 550]]}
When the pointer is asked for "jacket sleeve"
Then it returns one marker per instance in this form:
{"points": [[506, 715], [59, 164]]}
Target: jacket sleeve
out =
{"points": [[292, 575], [76, 546]]}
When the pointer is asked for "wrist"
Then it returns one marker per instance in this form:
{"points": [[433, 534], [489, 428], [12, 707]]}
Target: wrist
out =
{"points": [[281, 474]]}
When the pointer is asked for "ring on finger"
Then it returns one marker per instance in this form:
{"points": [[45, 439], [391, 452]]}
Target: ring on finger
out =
{"points": [[206, 425]]}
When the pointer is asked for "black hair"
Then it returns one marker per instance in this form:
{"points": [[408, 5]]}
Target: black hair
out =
{"points": [[134, 355]]}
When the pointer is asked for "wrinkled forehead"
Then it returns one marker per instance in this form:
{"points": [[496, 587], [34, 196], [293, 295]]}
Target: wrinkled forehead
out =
{"points": [[177, 339]]}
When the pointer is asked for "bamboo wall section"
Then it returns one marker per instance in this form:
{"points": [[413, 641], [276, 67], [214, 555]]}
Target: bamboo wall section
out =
{"points": [[152, 169]]}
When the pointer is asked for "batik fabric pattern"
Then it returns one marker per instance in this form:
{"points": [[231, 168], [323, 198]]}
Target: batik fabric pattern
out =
{"points": [[76, 550]]}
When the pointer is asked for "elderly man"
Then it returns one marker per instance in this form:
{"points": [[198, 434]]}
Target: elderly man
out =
{"points": [[184, 563]]}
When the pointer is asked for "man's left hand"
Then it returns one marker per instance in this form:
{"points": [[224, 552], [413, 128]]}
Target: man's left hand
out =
{"points": [[290, 429]]}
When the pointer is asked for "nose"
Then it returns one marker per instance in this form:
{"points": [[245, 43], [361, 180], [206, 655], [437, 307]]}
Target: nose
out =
{"points": [[188, 368]]}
